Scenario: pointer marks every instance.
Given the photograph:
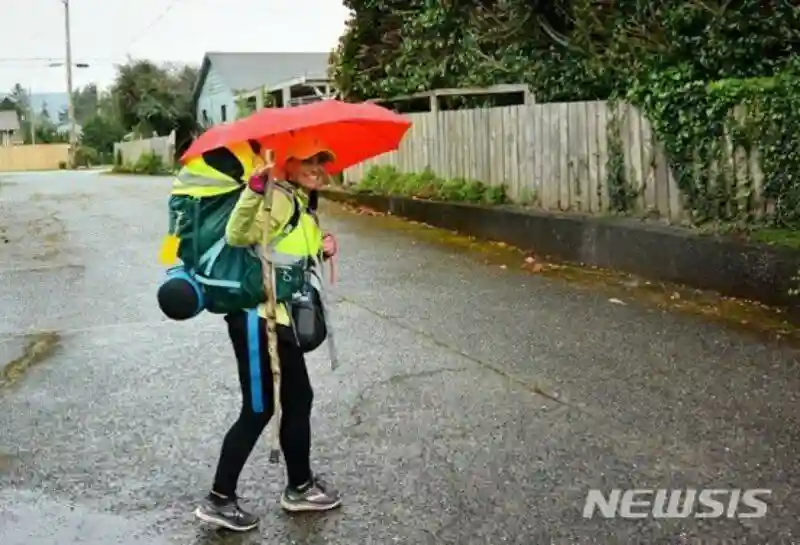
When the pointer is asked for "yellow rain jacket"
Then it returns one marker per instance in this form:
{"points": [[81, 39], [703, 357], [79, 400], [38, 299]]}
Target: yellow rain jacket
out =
{"points": [[246, 227]]}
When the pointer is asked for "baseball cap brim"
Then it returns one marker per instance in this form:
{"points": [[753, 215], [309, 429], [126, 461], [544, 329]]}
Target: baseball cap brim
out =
{"points": [[306, 150]]}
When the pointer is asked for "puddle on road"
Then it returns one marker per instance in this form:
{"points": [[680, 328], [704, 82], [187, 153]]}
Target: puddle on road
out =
{"points": [[32, 519], [622, 288]]}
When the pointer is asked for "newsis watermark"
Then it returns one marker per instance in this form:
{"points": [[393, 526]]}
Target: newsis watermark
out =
{"points": [[678, 504]]}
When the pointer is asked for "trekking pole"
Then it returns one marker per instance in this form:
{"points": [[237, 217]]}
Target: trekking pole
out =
{"points": [[332, 353], [271, 307]]}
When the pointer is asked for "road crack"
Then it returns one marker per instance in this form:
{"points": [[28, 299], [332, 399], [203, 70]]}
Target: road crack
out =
{"points": [[394, 380], [534, 387]]}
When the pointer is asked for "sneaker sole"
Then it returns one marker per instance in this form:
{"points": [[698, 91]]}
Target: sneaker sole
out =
{"points": [[301, 507], [222, 522]]}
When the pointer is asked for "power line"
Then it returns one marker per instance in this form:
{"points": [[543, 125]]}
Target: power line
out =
{"points": [[81, 63], [24, 60], [152, 24], [97, 60]]}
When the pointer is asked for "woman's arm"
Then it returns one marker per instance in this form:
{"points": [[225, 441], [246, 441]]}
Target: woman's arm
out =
{"points": [[246, 223]]}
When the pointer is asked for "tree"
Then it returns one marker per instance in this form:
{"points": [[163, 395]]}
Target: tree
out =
{"points": [[44, 114], [101, 133], [85, 101], [565, 50], [46, 133], [63, 116], [21, 98], [151, 98]]}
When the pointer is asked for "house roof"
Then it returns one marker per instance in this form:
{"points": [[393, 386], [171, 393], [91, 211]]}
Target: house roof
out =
{"points": [[9, 120], [247, 71]]}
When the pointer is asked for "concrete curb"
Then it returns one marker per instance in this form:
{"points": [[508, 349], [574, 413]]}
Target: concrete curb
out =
{"points": [[730, 267]]}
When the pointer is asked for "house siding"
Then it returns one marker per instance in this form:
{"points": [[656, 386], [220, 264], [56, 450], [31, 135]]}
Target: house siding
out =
{"points": [[213, 96]]}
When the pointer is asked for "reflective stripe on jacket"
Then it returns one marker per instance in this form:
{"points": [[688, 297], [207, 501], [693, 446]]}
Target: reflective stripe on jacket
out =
{"points": [[198, 179]]}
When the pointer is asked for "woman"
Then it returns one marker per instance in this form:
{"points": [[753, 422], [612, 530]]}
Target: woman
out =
{"points": [[304, 172]]}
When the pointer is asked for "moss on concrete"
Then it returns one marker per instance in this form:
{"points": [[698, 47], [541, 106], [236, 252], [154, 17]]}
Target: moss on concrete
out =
{"points": [[39, 347]]}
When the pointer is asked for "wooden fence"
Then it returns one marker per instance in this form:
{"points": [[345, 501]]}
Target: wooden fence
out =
{"points": [[553, 156], [163, 146], [34, 157]]}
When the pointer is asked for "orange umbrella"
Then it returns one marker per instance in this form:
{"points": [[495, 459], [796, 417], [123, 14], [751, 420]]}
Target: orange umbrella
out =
{"points": [[352, 132]]}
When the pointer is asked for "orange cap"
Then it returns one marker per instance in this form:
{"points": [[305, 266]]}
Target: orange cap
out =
{"points": [[306, 148]]}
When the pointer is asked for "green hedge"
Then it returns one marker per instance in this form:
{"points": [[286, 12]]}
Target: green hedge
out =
{"points": [[387, 180], [148, 164]]}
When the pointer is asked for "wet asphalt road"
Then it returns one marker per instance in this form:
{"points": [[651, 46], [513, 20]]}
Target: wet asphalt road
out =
{"points": [[473, 404]]}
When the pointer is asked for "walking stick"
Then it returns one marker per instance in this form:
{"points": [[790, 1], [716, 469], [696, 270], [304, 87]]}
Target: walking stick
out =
{"points": [[271, 307]]}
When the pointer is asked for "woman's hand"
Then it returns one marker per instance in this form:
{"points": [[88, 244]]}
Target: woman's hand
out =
{"points": [[262, 174], [329, 246]]}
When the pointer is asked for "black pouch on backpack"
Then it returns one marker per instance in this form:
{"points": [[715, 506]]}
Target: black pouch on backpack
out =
{"points": [[308, 319]]}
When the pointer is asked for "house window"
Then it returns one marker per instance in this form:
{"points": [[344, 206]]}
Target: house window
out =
{"points": [[223, 112]]}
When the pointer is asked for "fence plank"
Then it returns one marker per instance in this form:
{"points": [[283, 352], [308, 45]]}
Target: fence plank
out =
{"points": [[564, 156], [592, 159], [495, 134], [648, 165], [527, 157], [602, 156], [581, 139], [554, 139]]}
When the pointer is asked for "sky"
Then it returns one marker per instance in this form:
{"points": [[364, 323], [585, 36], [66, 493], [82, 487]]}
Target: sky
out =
{"points": [[105, 32]]}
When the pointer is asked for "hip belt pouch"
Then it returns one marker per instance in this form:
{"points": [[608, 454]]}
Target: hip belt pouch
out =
{"points": [[308, 319]]}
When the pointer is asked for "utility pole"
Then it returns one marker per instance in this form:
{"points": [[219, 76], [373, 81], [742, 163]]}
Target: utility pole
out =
{"points": [[32, 115], [70, 105]]}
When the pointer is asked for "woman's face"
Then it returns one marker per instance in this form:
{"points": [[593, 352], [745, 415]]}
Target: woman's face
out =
{"points": [[309, 173]]}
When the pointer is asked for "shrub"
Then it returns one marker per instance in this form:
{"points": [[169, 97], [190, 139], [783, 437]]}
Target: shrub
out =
{"points": [[62, 165], [86, 156], [387, 180], [124, 168], [148, 164]]}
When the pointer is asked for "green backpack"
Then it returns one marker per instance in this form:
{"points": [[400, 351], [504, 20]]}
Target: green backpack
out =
{"points": [[230, 277]]}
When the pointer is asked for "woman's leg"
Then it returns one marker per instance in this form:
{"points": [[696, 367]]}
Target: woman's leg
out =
{"points": [[246, 331], [296, 401], [248, 338], [304, 492]]}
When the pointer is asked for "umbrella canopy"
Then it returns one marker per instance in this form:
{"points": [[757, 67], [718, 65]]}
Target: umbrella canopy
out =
{"points": [[352, 132]]}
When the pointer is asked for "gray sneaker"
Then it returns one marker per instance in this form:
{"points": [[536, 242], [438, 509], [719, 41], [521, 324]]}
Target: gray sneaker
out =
{"points": [[225, 512], [316, 495]]}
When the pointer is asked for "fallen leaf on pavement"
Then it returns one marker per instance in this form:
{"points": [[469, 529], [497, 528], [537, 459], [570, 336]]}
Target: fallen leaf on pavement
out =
{"points": [[616, 301]]}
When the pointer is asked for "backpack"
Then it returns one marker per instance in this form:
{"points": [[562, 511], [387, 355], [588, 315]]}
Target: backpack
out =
{"points": [[229, 278]]}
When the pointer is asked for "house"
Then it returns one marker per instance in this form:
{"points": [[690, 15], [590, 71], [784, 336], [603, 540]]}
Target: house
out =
{"points": [[10, 133], [227, 77]]}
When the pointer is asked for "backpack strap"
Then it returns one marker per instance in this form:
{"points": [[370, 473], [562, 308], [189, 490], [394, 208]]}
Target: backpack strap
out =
{"points": [[294, 219], [313, 201]]}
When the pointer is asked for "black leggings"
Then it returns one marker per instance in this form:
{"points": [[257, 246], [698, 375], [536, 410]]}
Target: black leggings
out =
{"points": [[248, 335]]}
